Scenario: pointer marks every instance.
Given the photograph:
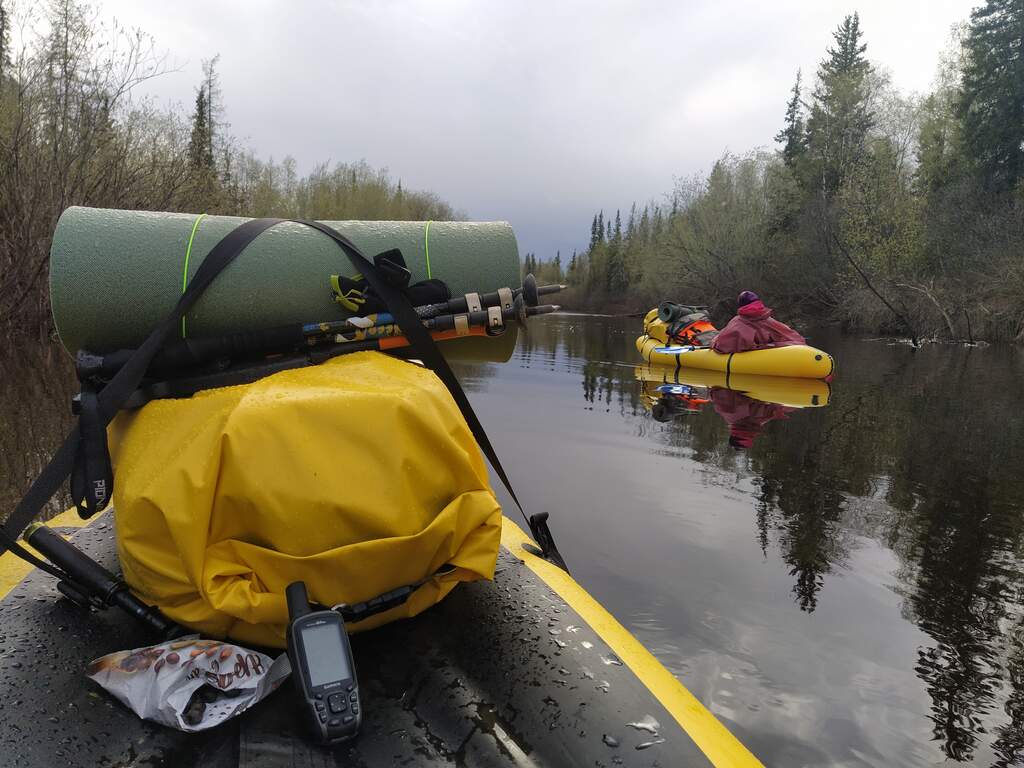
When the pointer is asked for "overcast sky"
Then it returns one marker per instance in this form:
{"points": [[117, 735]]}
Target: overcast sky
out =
{"points": [[539, 113]]}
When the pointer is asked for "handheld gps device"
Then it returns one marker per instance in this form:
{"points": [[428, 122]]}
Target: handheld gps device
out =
{"points": [[324, 672]]}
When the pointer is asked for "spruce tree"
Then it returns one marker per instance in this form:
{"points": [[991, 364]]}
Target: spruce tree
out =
{"points": [[991, 105], [211, 84], [793, 136], [200, 155], [616, 280], [837, 128]]}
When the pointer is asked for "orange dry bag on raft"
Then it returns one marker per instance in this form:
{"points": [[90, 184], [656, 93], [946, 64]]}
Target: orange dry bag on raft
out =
{"points": [[358, 476]]}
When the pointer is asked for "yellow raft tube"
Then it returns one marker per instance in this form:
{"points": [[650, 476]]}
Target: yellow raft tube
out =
{"points": [[797, 361]]}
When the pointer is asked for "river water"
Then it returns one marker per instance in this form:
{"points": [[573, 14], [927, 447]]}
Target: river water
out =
{"points": [[839, 583]]}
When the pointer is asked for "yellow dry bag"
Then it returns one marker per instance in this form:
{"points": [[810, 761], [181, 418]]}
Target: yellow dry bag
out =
{"points": [[357, 476]]}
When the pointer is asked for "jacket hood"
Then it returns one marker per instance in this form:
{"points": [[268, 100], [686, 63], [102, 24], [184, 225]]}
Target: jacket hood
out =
{"points": [[755, 310]]}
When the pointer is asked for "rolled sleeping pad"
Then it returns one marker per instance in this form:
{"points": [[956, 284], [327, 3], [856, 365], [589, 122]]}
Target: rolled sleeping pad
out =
{"points": [[114, 275]]}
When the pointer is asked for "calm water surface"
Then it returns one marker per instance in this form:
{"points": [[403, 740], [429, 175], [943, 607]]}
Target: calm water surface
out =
{"points": [[846, 591]]}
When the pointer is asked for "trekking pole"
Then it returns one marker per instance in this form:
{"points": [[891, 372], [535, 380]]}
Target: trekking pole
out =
{"points": [[192, 352], [89, 585], [494, 319], [504, 298]]}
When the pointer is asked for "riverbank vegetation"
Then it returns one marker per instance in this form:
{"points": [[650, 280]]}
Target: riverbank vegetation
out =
{"points": [[884, 211], [73, 133]]}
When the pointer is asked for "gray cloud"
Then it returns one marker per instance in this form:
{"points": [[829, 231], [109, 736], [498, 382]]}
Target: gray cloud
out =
{"points": [[539, 113]]}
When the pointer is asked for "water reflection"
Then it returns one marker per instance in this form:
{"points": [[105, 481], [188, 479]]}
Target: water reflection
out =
{"points": [[916, 462], [745, 403]]}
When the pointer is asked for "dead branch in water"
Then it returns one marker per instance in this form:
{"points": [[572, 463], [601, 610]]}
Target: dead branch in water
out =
{"points": [[899, 315]]}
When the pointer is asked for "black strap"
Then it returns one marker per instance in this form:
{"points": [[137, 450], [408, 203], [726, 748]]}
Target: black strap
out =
{"points": [[82, 447], [121, 386], [92, 476], [419, 339]]}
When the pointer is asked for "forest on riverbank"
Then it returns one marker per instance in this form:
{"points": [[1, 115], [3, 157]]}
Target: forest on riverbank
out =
{"points": [[885, 211], [73, 133]]}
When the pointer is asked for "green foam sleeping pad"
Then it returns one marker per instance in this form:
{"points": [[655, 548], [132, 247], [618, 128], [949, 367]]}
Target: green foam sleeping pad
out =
{"points": [[115, 274]]}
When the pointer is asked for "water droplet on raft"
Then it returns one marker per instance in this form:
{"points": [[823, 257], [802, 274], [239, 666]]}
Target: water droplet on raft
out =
{"points": [[646, 723], [554, 631], [611, 741], [646, 744], [587, 645], [611, 660]]}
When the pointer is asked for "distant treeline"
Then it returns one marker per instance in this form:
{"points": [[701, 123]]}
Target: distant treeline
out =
{"points": [[71, 134], [890, 213]]}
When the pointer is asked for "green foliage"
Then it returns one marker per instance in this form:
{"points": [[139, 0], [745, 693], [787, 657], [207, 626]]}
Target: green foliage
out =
{"points": [[793, 136], [991, 102], [200, 153], [840, 118], [882, 211]]}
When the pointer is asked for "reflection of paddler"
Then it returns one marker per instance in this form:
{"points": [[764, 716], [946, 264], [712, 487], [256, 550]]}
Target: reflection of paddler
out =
{"points": [[745, 416]]}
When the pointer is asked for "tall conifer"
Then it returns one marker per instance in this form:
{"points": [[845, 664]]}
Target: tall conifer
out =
{"points": [[837, 128], [793, 136], [992, 100]]}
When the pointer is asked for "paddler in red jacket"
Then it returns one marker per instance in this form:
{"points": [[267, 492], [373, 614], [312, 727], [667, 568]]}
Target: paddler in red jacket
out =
{"points": [[754, 328]]}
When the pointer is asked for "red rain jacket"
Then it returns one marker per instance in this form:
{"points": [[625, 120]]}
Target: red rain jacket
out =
{"points": [[754, 328]]}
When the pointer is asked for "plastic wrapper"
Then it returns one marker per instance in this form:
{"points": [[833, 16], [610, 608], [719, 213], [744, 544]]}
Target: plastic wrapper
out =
{"points": [[189, 684]]}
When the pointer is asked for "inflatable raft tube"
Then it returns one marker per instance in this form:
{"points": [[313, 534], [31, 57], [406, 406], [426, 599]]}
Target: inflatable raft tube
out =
{"points": [[784, 390], [797, 361], [525, 681]]}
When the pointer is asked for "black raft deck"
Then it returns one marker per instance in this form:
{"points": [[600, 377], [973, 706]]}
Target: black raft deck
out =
{"points": [[527, 670]]}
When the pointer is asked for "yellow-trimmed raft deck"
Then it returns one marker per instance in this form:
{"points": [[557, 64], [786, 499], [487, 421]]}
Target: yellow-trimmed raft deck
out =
{"points": [[515, 685]]}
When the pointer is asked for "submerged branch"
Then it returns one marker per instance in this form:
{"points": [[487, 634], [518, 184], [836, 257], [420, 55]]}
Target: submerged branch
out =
{"points": [[867, 281]]}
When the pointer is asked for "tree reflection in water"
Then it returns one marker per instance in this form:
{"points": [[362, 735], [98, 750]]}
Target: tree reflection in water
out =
{"points": [[925, 437]]}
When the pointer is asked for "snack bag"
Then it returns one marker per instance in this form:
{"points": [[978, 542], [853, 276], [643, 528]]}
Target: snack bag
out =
{"points": [[189, 684]]}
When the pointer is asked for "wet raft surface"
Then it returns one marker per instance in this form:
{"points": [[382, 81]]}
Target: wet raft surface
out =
{"points": [[498, 674]]}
